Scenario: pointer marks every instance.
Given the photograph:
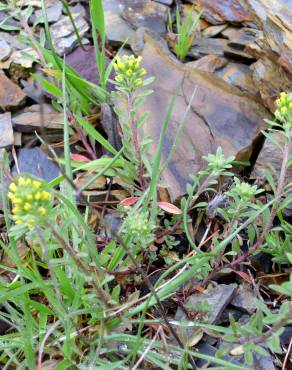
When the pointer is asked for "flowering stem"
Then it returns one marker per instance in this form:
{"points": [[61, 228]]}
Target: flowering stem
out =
{"points": [[135, 138]]}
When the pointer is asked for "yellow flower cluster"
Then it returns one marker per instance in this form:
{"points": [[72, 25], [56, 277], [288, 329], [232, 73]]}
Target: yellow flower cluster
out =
{"points": [[129, 72], [30, 201], [284, 107]]}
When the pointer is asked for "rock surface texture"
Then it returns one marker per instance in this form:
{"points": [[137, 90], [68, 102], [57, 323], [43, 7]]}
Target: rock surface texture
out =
{"points": [[220, 115]]}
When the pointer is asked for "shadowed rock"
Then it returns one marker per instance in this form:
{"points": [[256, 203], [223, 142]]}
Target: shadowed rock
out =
{"points": [[11, 95]]}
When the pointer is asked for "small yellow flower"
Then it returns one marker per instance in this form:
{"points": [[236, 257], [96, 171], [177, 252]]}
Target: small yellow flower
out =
{"points": [[45, 195], [42, 211], [38, 195], [21, 181], [30, 223], [16, 200], [18, 222], [129, 72], [36, 184], [283, 95], [12, 186], [16, 210], [119, 78], [10, 195], [27, 206]]}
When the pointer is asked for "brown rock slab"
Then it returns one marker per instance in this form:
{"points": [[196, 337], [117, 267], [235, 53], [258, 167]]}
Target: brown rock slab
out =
{"points": [[218, 12], [220, 115], [6, 131], [32, 118], [214, 30], [207, 46], [11, 95], [239, 75], [270, 80], [209, 63]]}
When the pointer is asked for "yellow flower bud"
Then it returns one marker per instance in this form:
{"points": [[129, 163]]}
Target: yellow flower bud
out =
{"points": [[36, 184], [38, 195], [119, 78], [10, 195], [29, 197], [16, 210], [30, 223], [16, 200], [45, 195], [21, 181], [42, 211], [12, 186], [27, 206], [129, 73], [18, 222], [283, 95]]}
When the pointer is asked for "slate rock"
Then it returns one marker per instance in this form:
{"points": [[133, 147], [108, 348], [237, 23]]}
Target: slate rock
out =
{"points": [[12, 41], [32, 118], [164, 2], [6, 131], [243, 37], [54, 13], [145, 13], [220, 115], [35, 162], [11, 95], [5, 50], [208, 307], [214, 30], [239, 54], [218, 12], [245, 299], [271, 80], [208, 63], [207, 46], [118, 31], [209, 350], [63, 35], [272, 155], [238, 75]]}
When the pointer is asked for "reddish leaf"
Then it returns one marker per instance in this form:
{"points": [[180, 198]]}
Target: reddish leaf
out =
{"points": [[168, 207], [128, 201], [244, 276], [79, 157]]}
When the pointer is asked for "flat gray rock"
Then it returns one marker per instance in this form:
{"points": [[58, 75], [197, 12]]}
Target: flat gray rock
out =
{"points": [[245, 299], [206, 307], [63, 35], [35, 162], [32, 118], [5, 50], [54, 13], [6, 131]]}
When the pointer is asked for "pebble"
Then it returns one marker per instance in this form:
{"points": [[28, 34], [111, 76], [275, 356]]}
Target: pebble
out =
{"points": [[6, 137], [5, 50]]}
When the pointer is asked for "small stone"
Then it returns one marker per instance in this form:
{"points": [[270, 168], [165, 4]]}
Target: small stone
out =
{"points": [[12, 41], [204, 46], [54, 13], [207, 306], [35, 3], [35, 162], [237, 54], [5, 50], [6, 137], [30, 120], [245, 299], [239, 75], [214, 30], [209, 63], [243, 37], [63, 34], [164, 2], [11, 95], [17, 138], [146, 13]]}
